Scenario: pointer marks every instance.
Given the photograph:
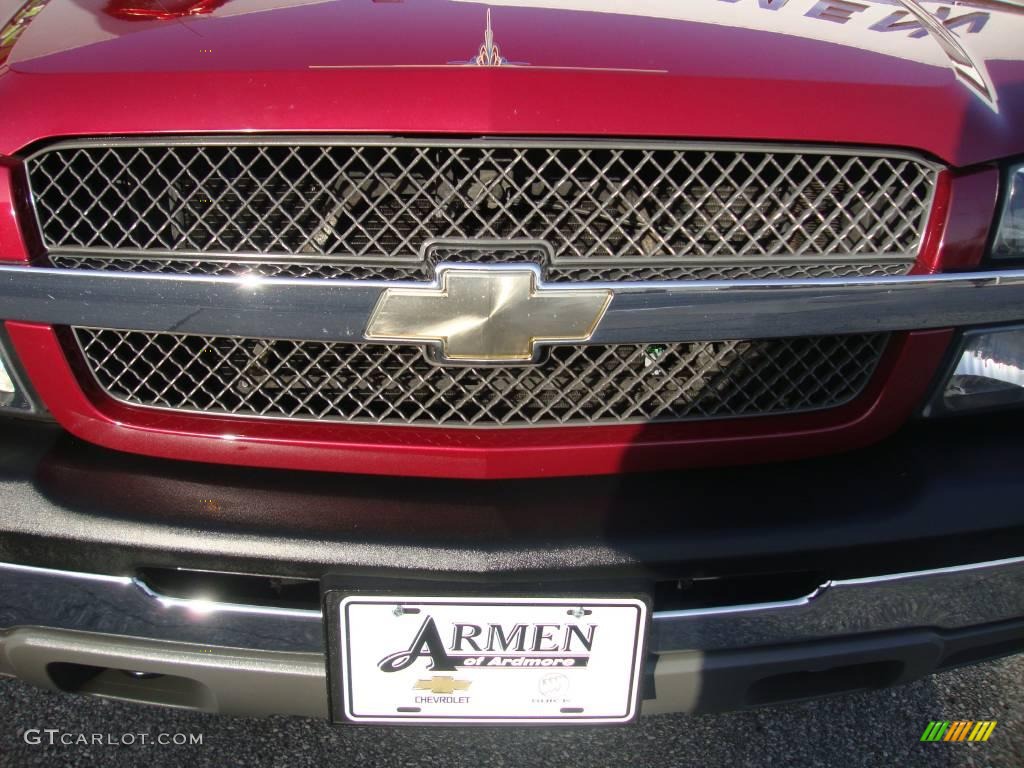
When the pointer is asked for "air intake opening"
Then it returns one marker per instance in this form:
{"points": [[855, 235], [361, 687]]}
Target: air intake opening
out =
{"points": [[983, 653], [794, 686], [131, 685]]}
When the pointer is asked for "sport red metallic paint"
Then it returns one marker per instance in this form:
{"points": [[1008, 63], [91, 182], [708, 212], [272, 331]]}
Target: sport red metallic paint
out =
{"points": [[795, 71]]}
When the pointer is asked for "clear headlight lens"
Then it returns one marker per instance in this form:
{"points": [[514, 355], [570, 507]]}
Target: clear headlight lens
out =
{"points": [[1009, 242], [989, 372]]}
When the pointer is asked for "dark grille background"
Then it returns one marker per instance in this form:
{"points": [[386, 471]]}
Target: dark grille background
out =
{"points": [[395, 384], [374, 205]]}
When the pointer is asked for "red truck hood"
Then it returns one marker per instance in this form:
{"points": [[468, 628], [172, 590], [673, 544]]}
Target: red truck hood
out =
{"points": [[794, 70]]}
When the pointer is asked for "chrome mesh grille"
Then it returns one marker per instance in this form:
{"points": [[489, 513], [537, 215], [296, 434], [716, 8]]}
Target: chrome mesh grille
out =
{"points": [[394, 384], [368, 206]]}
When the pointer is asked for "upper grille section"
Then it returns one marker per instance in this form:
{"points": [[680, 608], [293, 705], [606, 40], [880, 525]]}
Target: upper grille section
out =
{"points": [[365, 207]]}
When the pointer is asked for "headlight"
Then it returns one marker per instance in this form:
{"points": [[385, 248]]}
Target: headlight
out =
{"points": [[988, 373], [1009, 242]]}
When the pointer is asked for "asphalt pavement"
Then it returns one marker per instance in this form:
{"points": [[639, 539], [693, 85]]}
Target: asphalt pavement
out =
{"points": [[878, 728]]}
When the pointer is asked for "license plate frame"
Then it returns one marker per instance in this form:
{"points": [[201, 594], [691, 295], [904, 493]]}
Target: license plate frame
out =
{"points": [[362, 626]]}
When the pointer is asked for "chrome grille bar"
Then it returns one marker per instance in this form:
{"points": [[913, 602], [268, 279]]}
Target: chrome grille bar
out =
{"points": [[687, 311], [621, 272]]}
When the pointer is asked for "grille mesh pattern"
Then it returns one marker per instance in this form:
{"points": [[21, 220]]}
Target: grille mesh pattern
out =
{"points": [[392, 384], [370, 204], [301, 269]]}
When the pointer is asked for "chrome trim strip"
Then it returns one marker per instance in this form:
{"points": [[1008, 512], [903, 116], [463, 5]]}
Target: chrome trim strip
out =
{"points": [[250, 257], [338, 310], [942, 598], [122, 605]]}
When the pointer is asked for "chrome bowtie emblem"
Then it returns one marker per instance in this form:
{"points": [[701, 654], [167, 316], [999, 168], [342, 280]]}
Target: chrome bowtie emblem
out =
{"points": [[487, 314]]}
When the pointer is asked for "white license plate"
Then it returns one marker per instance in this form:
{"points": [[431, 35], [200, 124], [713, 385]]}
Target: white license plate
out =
{"points": [[499, 660]]}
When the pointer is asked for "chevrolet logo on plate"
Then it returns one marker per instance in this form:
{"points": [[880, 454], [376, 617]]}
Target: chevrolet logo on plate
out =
{"points": [[442, 684], [487, 314]]}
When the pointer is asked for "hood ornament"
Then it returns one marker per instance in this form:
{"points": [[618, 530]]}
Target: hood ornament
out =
{"points": [[489, 54]]}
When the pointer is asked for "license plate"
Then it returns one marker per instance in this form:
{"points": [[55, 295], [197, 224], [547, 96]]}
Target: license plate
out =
{"points": [[501, 660]]}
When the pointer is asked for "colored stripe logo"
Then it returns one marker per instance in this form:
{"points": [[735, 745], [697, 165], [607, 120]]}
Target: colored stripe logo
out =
{"points": [[958, 730]]}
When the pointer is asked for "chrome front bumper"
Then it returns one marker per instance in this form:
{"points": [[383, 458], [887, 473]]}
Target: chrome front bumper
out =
{"points": [[276, 657], [338, 310]]}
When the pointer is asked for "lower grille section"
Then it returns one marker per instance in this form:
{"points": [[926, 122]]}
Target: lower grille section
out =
{"points": [[397, 384]]}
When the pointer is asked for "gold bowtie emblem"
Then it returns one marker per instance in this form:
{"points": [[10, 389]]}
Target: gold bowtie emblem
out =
{"points": [[496, 314], [441, 684]]}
